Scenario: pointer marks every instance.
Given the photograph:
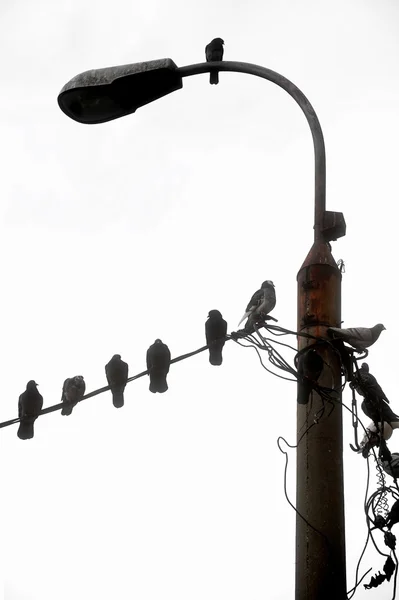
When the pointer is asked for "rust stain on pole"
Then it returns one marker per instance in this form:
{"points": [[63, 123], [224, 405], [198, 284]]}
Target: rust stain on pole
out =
{"points": [[320, 557]]}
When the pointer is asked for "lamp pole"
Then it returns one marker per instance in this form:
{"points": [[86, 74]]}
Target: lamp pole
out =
{"points": [[101, 95]]}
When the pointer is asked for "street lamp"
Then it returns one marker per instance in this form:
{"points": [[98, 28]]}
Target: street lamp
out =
{"points": [[101, 95]]}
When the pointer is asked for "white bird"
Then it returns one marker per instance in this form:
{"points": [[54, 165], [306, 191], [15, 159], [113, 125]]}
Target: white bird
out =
{"points": [[261, 303], [371, 437]]}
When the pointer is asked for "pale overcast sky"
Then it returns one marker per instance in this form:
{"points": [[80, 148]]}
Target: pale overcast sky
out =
{"points": [[113, 235]]}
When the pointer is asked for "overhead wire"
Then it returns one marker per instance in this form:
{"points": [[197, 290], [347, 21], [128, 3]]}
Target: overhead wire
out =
{"points": [[357, 583], [327, 395], [372, 503]]}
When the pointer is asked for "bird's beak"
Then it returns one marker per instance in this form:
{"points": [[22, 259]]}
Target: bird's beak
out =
{"points": [[385, 328]]}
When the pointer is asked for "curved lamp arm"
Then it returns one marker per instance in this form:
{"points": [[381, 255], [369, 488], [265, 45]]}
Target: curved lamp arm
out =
{"points": [[101, 95], [308, 110]]}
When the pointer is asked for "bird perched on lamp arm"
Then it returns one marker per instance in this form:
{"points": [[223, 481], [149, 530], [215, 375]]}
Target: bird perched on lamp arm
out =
{"points": [[214, 52]]}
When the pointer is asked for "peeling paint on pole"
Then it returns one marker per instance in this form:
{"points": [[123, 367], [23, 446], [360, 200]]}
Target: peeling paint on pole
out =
{"points": [[320, 557]]}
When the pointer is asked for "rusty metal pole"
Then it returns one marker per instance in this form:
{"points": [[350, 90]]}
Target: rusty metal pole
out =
{"points": [[320, 556]]}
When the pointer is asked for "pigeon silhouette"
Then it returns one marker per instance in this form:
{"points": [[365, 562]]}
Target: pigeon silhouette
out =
{"points": [[366, 384], [261, 303], [72, 392], [310, 367], [214, 52], [30, 403], [380, 411], [215, 333], [359, 338], [158, 362], [117, 372], [375, 403]]}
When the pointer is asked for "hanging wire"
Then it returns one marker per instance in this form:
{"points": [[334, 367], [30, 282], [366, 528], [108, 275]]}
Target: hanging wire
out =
{"points": [[261, 361], [377, 503], [285, 482], [357, 582], [370, 504], [382, 507]]}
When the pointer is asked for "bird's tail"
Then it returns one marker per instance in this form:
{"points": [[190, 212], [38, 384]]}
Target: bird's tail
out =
{"points": [[117, 398], [215, 356], [214, 77], [246, 315], [158, 383], [25, 429], [67, 410]]}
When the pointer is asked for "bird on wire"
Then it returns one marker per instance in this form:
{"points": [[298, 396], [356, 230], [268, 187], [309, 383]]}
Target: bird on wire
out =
{"points": [[117, 372], [214, 52], [359, 338], [72, 392], [30, 403], [215, 333], [262, 302], [158, 363], [375, 403], [310, 367], [366, 384]]}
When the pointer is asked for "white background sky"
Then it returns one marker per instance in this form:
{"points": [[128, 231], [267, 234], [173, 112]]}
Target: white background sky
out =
{"points": [[113, 235]]}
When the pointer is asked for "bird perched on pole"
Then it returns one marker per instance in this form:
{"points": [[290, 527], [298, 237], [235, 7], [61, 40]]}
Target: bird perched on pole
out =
{"points": [[214, 52], [310, 367], [215, 333], [261, 303], [158, 363], [359, 338], [30, 404], [366, 384], [117, 372], [380, 411], [375, 403], [72, 392]]}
